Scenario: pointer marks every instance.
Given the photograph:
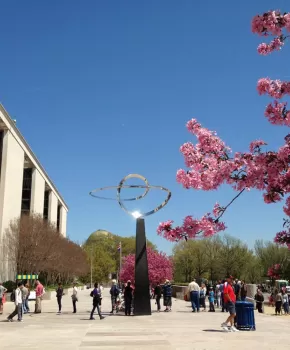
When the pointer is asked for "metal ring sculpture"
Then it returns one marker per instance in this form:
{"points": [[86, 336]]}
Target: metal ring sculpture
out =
{"points": [[121, 185]]}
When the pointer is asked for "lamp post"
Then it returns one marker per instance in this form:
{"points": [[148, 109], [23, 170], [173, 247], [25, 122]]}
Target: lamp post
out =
{"points": [[91, 267]]}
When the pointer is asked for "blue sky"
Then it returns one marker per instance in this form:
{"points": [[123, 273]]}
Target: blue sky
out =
{"points": [[101, 89]]}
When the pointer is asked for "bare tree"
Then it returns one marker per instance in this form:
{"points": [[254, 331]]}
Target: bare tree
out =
{"points": [[36, 246]]}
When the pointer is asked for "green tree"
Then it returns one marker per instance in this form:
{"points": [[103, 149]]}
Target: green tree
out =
{"points": [[183, 262], [102, 263], [253, 271], [233, 256], [269, 253], [213, 248], [102, 246], [190, 260]]}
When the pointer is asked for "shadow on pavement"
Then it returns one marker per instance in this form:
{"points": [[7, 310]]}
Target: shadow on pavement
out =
{"points": [[214, 330]]}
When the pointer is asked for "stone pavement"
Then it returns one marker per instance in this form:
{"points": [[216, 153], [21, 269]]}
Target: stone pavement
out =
{"points": [[179, 329]]}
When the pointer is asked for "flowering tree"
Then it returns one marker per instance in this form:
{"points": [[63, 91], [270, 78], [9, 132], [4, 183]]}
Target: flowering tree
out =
{"points": [[159, 267], [210, 162], [274, 272]]}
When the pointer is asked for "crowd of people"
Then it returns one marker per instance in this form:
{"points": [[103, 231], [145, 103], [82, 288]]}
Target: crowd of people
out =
{"points": [[20, 297], [215, 294], [280, 300], [125, 293], [223, 295]]}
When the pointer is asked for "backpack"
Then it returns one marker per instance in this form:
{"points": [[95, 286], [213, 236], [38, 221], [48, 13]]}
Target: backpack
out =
{"points": [[116, 292], [12, 296]]}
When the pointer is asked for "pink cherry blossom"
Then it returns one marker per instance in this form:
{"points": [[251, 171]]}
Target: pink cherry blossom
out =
{"points": [[266, 49], [268, 23], [277, 113], [287, 21], [283, 238], [160, 267], [273, 88], [271, 23], [275, 271], [209, 162], [254, 145]]}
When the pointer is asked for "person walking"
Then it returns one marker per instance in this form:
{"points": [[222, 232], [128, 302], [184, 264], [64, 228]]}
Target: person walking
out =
{"points": [[167, 294], [96, 295], [18, 304], [74, 297], [157, 296], [259, 301], [194, 289], [59, 294], [3, 290], [39, 292], [128, 296], [229, 300]]}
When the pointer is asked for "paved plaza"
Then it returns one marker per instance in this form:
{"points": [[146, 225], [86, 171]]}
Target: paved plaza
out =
{"points": [[180, 329]]}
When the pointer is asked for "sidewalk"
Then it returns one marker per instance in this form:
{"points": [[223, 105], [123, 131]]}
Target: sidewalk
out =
{"points": [[179, 329]]}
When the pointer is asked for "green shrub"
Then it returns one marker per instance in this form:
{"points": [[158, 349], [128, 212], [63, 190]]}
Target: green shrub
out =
{"points": [[9, 285]]}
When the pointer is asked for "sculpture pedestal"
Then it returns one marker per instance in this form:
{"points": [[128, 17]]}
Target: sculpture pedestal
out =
{"points": [[142, 303]]}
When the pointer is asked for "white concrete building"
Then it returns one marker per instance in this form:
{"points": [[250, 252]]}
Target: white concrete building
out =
{"points": [[24, 186]]}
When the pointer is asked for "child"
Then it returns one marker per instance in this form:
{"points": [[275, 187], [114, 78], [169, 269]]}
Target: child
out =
{"points": [[211, 300]]}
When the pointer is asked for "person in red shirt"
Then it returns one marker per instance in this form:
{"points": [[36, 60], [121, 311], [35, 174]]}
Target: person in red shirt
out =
{"points": [[229, 301], [39, 291]]}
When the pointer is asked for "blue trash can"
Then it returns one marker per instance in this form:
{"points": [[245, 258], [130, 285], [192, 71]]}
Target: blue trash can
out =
{"points": [[245, 316]]}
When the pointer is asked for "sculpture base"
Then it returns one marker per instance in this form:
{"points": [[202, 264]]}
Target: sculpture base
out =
{"points": [[142, 301]]}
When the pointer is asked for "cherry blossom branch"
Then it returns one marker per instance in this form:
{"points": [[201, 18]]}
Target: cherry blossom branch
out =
{"points": [[223, 209], [209, 162], [193, 228]]}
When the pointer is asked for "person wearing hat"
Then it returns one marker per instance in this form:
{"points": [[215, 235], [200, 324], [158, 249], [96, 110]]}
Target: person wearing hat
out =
{"points": [[167, 294], [128, 296], [229, 300], [114, 291]]}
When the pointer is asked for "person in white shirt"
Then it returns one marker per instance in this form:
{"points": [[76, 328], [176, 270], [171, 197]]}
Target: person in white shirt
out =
{"points": [[194, 290], [18, 304], [74, 297]]}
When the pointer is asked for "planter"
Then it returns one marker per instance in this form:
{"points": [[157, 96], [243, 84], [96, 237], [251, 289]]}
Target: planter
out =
{"points": [[48, 295], [179, 292]]}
